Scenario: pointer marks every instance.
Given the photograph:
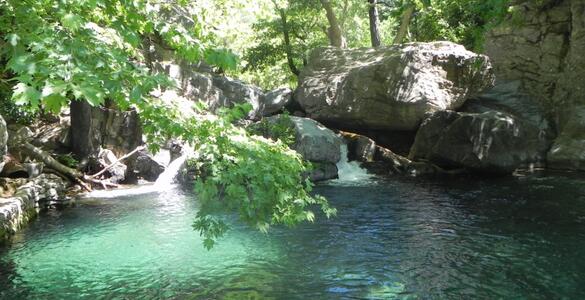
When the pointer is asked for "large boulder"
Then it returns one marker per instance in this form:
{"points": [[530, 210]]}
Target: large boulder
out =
{"points": [[499, 131], [492, 142], [390, 88], [315, 142]]}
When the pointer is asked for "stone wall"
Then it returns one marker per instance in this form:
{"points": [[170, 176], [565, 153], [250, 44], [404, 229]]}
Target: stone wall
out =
{"points": [[17, 210]]}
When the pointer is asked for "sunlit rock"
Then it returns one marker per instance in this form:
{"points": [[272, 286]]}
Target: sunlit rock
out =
{"points": [[390, 88]]}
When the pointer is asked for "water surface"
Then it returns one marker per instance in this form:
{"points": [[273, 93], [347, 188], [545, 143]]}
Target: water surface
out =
{"points": [[396, 238]]}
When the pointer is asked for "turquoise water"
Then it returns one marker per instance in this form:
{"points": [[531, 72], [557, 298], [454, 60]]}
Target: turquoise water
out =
{"points": [[397, 238]]}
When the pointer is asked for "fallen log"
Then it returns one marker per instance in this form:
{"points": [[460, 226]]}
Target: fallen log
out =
{"points": [[45, 157]]}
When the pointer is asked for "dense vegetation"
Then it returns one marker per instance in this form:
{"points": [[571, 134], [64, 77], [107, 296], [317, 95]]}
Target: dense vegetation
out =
{"points": [[54, 52]]}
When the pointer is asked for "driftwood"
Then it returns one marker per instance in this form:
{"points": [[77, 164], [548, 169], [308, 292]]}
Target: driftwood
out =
{"points": [[117, 161], [45, 157], [57, 167]]}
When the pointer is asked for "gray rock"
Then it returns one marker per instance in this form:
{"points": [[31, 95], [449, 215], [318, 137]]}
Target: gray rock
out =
{"points": [[323, 171], [117, 173], [390, 88], [359, 147], [44, 190], [217, 91], [275, 100], [145, 166], [53, 137], [314, 141], [493, 142], [19, 134], [568, 150]]}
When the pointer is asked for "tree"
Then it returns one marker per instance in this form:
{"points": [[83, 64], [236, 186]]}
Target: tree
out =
{"points": [[62, 52], [334, 33], [408, 12], [374, 23]]}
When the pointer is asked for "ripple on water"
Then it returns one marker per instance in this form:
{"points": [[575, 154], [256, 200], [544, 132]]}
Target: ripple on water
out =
{"points": [[401, 238]]}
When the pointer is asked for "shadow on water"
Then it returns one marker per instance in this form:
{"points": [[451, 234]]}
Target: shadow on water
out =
{"points": [[521, 237]]}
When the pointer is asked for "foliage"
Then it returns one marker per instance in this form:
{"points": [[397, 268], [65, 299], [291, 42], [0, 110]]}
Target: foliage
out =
{"points": [[461, 21], [306, 22], [260, 179], [281, 129], [57, 51], [68, 160]]}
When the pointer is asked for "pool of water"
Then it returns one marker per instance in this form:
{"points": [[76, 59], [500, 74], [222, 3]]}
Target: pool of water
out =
{"points": [[395, 238]]}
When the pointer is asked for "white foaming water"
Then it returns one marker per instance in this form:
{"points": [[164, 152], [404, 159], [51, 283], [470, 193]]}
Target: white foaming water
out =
{"points": [[167, 178], [350, 171], [164, 182]]}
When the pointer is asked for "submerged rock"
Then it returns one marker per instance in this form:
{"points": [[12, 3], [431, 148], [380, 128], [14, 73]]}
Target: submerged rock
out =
{"points": [[390, 88]]}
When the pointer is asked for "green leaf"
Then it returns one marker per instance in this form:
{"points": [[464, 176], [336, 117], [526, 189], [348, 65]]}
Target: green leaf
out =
{"points": [[54, 102], [72, 22], [25, 95], [91, 94]]}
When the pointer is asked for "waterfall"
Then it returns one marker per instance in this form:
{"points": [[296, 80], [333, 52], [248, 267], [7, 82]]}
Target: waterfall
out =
{"points": [[164, 182], [349, 171], [166, 179]]}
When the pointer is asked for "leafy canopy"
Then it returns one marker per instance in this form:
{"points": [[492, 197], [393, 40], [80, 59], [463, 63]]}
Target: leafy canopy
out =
{"points": [[57, 51]]}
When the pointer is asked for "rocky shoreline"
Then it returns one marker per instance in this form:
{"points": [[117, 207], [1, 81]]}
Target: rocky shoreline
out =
{"points": [[28, 199]]}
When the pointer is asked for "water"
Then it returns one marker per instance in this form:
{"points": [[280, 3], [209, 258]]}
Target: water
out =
{"points": [[350, 171], [396, 238]]}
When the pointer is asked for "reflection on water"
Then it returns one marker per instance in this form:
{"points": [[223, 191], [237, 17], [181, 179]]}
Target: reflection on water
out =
{"points": [[395, 238]]}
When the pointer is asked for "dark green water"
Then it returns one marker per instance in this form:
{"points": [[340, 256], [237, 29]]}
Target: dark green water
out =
{"points": [[514, 238]]}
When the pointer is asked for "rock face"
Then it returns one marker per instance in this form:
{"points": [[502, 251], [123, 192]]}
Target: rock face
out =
{"points": [[317, 144], [390, 88], [542, 47], [197, 82], [22, 206], [93, 128], [568, 150]]}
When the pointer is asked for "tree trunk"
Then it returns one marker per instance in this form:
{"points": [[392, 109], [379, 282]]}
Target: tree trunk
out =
{"points": [[334, 32], [404, 24], [85, 141], [287, 44], [374, 24]]}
